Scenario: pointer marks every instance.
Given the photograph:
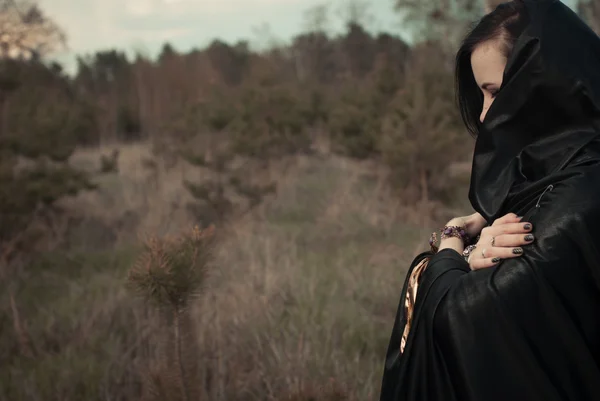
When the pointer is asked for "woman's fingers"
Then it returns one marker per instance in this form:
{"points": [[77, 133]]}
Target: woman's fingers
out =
{"points": [[493, 256], [507, 218], [500, 242], [504, 239], [512, 240], [507, 228], [483, 263], [502, 253]]}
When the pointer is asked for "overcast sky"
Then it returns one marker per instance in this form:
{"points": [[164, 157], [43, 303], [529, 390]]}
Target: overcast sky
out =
{"points": [[146, 24]]}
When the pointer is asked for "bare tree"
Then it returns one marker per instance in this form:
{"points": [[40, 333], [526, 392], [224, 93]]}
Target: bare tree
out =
{"points": [[26, 32], [356, 12], [316, 19], [444, 21]]}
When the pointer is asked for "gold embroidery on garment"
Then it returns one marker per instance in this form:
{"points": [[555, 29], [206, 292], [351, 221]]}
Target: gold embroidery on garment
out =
{"points": [[411, 297]]}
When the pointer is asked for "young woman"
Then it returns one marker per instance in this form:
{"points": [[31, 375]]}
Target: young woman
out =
{"points": [[525, 325]]}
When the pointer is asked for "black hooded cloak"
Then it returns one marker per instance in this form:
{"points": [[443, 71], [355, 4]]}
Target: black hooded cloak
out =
{"points": [[528, 328]]}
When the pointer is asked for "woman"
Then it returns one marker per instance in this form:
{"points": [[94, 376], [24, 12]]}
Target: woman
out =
{"points": [[525, 327]]}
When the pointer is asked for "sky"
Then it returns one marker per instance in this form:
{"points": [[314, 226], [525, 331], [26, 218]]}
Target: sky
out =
{"points": [[145, 25]]}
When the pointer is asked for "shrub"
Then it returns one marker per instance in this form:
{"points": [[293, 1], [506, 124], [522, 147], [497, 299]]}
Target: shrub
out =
{"points": [[169, 273]]}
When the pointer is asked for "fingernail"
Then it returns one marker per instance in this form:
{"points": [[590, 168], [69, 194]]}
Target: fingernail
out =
{"points": [[517, 251], [519, 217], [529, 237], [527, 226], [495, 260]]}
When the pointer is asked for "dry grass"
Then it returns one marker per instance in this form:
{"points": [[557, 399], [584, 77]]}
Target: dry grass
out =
{"points": [[147, 199], [298, 306]]}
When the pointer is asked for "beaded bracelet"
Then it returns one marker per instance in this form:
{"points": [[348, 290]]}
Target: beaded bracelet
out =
{"points": [[467, 251], [448, 232]]}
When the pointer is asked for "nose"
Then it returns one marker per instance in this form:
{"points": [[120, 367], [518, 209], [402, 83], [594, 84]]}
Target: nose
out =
{"points": [[486, 106], [483, 113]]}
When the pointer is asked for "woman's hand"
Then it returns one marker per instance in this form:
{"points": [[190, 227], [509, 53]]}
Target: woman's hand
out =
{"points": [[502, 240], [473, 224]]}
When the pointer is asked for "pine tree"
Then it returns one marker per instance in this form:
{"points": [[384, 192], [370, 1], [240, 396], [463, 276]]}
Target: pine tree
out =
{"points": [[40, 122], [168, 275], [422, 131], [226, 192]]}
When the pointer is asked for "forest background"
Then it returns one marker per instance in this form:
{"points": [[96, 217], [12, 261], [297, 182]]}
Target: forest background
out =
{"points": [[223, 223]]}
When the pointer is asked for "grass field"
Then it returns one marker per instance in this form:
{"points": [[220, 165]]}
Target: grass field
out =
{"points": [[298, 306]]}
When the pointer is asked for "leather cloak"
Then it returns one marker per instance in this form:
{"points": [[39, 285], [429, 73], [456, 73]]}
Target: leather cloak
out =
{"points": [[528, 328]]}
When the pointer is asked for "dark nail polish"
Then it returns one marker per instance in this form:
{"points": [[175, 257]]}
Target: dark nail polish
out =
{"points": [[517, 251], [495, 260], [527, 226], [529, 237]]}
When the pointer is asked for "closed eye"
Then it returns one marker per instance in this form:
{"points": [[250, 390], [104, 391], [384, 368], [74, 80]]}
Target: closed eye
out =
{"points": [[491, 88]]}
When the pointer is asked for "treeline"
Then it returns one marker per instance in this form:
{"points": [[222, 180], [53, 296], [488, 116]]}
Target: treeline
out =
{"points": [[363, 95], [140, 98], [356, 94]]}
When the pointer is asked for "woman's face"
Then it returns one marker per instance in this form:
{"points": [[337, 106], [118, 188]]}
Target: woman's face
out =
{"points": [[488, 62]]}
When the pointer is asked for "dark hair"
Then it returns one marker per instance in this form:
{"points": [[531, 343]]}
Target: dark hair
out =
{"points": [[506, 23]]}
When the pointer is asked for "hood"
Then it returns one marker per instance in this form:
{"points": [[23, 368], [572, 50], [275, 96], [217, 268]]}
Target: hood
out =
{"points": [[545, 112]]}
